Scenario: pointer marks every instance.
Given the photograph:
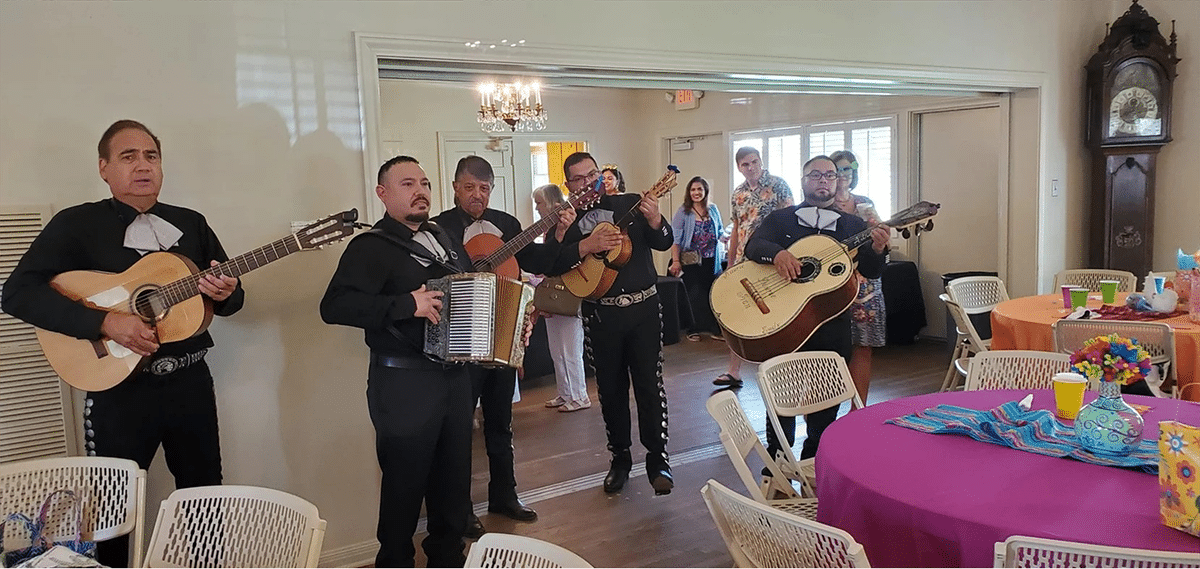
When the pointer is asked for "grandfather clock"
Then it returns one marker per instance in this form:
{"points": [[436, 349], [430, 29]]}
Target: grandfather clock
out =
{"points": [[1128, 120]]}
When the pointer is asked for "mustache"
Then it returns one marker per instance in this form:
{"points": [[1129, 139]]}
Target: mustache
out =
{"points": [[418, 200]]}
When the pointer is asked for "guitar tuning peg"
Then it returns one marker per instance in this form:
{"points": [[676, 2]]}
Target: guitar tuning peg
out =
{"points": [[905, 233], [916, 229], [929, 226]]}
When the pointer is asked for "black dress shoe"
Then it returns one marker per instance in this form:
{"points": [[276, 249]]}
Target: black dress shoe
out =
{"points": [[617, 476], [474, 527], [515, 510], [661, 481]]}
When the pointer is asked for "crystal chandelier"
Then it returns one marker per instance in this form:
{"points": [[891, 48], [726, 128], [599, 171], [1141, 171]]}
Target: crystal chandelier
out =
{"points": [[516, 106]]}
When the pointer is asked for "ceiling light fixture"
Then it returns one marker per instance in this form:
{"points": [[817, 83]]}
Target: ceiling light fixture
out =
{"points": [[517, 106]]}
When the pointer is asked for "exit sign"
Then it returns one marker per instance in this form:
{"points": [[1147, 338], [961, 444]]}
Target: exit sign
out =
{"points": [[686, 99]]}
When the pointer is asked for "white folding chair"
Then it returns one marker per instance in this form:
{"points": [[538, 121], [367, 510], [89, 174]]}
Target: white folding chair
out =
{"points": [[1157, 338], [1016, 369], [1090, 279], [508, 550], [800, 383], [235, 526], [758, 535], [112, 492], [967, 344], [975, 297], [740, 439], [1023, 551]]}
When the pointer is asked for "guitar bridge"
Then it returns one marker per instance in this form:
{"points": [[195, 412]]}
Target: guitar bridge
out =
{"points": [[757, 298]]}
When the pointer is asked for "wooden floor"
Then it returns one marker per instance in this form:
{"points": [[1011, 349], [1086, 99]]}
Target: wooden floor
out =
{"points": [[561, 461]]}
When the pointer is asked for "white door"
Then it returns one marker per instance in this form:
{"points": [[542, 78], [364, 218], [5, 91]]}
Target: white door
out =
{"points": [[706, 158], [967, 231], [498, 152]]}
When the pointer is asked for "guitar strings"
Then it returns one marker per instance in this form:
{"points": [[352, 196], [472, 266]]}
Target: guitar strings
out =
{"points": [[775, 282], [187, 287]]}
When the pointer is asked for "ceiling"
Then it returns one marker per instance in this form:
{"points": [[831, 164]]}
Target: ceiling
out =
{"points": [[578, 76]]}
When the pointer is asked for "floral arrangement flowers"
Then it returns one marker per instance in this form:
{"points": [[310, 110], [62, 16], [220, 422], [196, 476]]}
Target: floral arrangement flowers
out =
{"points": [[1112, 358]]}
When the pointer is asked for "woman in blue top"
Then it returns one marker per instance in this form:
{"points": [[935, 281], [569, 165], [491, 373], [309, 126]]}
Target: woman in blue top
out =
{"points": [[698, 254]]}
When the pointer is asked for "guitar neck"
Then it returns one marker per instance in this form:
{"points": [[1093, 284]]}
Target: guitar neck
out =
{"points": [[514, 245], [189, 286], [660, 188], [857, 240]]}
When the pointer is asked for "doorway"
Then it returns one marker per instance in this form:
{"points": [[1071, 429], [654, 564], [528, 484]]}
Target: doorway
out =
{"points": [[969, 231]]}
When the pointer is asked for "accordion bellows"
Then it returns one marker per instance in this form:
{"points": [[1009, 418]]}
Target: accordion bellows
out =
{"points": [[482, 320]]}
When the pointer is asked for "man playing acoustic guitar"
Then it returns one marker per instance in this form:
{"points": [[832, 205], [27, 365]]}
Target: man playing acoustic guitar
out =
{"points": [[493, 387], [768, 245], [171, 401], [623, 328]]}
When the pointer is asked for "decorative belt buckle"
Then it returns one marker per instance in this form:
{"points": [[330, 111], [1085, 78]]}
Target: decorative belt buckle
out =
{"points": [[165, 365], [624, 300]]}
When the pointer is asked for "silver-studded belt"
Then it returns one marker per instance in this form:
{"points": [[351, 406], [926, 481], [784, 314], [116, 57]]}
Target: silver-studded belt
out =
{"points": [[164, 365], [628, 299]]}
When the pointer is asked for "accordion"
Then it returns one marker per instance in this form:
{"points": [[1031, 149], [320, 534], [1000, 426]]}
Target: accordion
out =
{"points": [[482, 320]]}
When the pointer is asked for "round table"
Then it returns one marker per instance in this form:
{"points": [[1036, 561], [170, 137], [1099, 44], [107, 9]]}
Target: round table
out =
{"points": [[1026, 324], [915, 499]]}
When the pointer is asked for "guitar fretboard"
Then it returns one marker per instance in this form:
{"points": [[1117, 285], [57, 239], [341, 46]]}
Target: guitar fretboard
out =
{"points": [[512, 246], [658, 190], [189, 286]]}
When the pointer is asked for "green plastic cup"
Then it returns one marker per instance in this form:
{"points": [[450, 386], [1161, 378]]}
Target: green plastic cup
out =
{"points": [[1108, 291], [1079, 297]]}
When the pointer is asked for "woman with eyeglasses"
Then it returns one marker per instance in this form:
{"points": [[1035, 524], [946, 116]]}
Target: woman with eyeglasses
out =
{"points": [[697, 254], [869, 329]]}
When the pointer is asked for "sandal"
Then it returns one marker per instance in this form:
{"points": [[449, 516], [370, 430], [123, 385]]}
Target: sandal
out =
{"points": [[727, 379], [577, 405]]}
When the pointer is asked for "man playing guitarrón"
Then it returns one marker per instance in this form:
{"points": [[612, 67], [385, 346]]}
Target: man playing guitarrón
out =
{"points": [[623, 328], [768, 245], [171, 401]]}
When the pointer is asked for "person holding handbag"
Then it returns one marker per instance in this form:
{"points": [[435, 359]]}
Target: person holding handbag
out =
{"points": [[564, 333], [698, 254]]}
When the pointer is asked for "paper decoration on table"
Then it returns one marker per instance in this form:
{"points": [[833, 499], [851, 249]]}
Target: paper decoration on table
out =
{"points": [[1179, 449]]}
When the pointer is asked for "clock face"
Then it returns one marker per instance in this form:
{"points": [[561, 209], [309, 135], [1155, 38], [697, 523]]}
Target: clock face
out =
{"points": [[1133, 109]]}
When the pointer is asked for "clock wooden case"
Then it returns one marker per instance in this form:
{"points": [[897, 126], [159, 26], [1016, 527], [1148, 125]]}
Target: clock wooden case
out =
{"points": [[1128, 120]]}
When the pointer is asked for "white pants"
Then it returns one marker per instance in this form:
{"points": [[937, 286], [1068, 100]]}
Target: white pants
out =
{"points": [[565, 336]]}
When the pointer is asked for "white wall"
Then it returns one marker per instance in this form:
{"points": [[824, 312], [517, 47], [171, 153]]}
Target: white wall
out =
{"points": [[256, 103]]}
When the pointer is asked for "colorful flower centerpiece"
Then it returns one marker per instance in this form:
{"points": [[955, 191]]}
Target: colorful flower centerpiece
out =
{"points": [[1108, 425]]}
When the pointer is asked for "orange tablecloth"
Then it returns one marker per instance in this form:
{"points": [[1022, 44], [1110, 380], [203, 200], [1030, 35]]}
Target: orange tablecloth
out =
{"points": [[1025, 324]]}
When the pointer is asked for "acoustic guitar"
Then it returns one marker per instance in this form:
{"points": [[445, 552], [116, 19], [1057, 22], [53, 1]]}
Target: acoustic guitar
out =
{"points": [[764, 315], [161, 288], [490, 254], [595, 274]]}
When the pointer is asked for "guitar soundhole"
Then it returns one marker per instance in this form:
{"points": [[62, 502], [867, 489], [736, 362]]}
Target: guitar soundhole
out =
{"points": [[809, 267], [148, 304], [837, 269]]}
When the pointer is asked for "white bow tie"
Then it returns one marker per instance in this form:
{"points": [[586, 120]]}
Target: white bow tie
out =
{"points": [[149, 232], [817, 218]]}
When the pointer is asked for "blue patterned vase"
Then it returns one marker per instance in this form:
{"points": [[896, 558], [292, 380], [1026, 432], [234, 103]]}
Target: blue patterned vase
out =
{"points": [[1108, 425]]}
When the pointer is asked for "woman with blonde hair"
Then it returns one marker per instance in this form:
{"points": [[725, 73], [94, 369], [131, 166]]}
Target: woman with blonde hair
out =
{"points": [[563, 333]]}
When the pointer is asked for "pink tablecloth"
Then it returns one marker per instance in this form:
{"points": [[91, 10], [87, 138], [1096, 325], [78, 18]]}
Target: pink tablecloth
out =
{"points": [[915, 499]]}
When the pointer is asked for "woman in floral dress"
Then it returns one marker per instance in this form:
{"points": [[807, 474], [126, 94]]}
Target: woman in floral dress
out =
{"points": [[870, 326]]}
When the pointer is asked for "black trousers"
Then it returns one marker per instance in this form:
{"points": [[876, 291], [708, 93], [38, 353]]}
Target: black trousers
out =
{"points": [[493, 389], [131, 420], [625, 345], [422, 424], [698, 280], [833, 336]]}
